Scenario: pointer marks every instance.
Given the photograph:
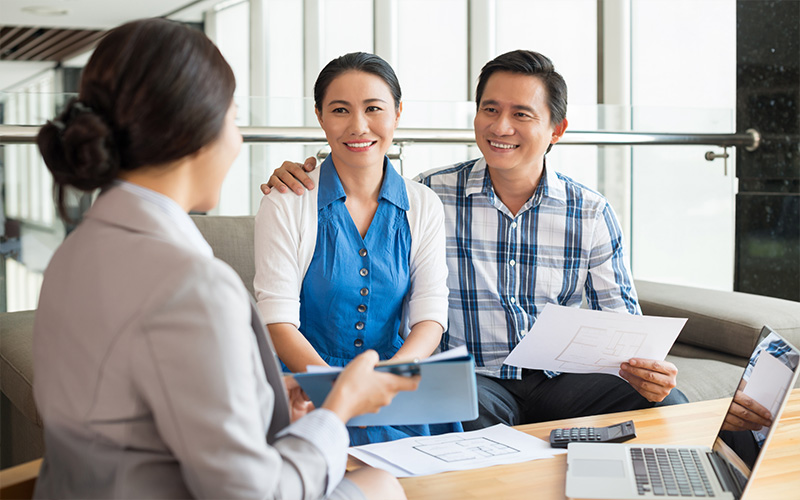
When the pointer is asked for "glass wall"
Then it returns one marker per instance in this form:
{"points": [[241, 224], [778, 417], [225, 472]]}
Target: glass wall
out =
{"points": [[683, 79], [642, 65], [665, 82], [29, 228]]}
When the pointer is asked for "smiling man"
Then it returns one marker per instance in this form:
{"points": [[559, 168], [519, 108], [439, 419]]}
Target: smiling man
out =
{"points": [[519, 236]]}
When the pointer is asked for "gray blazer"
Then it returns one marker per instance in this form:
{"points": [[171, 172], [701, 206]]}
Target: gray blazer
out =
{"points": [[149, 378]]}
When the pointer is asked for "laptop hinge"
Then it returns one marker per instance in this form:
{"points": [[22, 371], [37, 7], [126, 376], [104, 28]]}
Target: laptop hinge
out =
{"points": [[725, 475]]}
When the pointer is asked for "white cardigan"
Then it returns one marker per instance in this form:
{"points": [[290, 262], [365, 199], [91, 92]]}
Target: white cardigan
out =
{"points": [[286, 236]]}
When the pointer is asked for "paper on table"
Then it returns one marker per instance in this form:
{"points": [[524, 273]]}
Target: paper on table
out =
{"points": [[418, 456], [572, 340], [768, 382]]}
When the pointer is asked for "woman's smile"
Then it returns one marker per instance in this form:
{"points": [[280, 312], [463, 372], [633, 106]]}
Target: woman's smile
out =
{"points": [[360, 146]]}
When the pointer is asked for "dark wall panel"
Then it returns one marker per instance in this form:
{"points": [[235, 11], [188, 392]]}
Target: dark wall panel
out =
{"points": [[768, 99]]}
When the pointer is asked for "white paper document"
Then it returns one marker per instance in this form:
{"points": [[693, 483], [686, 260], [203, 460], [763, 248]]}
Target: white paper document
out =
{"points": [[419, 456], [572, 340], [455, 353], [768, 382]]}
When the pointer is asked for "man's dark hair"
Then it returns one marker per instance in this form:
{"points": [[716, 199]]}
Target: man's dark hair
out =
{"points": [[356, 61], [527, 62]]}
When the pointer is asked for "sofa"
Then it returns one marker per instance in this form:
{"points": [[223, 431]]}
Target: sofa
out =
{"points": [[710, 352]]}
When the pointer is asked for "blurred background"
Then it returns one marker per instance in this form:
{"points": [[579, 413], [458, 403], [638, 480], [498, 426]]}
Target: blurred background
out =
{"points": [[691, 216]]}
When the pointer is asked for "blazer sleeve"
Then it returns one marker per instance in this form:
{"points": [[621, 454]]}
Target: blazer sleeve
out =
{"points": [[197, 366], [427, 298]]}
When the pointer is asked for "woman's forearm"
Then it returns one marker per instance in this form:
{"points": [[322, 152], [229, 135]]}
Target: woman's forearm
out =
{"points": [[421, 342], [293, 348]]}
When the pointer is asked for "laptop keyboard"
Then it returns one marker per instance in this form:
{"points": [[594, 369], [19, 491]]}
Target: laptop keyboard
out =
{"points": [[670, 472]]}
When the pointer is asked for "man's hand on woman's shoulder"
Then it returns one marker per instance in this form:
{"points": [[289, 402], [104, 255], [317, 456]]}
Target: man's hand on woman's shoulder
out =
{"points": [[291, 175]]}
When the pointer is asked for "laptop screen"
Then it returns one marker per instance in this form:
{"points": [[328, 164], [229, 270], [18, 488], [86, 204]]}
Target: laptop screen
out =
{"points": [[762, 391]]}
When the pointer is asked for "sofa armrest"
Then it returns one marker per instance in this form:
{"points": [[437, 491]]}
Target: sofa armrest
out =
{"points": [[16, 362], [729, 322]]}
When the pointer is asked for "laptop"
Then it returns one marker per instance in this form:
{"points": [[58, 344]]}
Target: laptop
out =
{"points": [[633, 471]]}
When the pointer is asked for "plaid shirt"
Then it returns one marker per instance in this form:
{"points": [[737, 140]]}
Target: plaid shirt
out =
{"points": [[504, 268]]}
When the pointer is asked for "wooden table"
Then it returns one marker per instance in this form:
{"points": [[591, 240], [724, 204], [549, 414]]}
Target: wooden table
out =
{"points": [[778, 477]]}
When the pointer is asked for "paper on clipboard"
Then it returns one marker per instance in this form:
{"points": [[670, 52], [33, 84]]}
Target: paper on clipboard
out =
{"points": [[447, 392], [572, 340]]}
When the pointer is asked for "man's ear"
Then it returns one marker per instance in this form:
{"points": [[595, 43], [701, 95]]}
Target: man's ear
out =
{"points": [[558, 131]]}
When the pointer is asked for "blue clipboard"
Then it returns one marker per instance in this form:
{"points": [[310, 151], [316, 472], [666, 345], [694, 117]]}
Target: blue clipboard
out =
{"points": [[447, 393]]}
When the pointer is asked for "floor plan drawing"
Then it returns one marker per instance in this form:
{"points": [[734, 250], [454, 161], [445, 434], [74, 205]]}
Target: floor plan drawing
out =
{"points": [[457, 450], [495, 445], [600, 347], [574, 340]]}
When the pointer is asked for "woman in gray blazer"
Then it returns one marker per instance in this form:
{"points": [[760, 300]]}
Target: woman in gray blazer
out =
{"points": [[154, 375]]}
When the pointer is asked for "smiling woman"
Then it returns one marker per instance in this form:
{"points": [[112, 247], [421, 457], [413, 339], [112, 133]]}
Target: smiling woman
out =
{"points": [[360, 257], [359, 116]]}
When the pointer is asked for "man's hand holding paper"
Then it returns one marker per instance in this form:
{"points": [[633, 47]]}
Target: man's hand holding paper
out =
{"points": [[571, 340], [651, 378]]}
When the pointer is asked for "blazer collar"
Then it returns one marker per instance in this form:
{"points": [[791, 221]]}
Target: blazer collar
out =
{"points": [[121, 208]]}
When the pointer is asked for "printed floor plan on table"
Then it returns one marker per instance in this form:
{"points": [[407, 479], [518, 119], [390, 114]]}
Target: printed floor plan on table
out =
{"points": [[600, 347], [495, 445], [460, 449]]}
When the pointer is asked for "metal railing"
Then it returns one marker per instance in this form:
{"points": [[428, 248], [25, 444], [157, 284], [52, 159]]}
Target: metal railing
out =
{"points": [[750, 140]]}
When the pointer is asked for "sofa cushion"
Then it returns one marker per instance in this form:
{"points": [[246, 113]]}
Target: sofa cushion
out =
{"points": [[701, 379], [16, 362], [232, 241], [725, 321]]}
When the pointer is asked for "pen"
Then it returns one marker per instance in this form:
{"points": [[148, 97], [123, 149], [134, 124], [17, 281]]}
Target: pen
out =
{"points": [[405, 368], [390, 362]]}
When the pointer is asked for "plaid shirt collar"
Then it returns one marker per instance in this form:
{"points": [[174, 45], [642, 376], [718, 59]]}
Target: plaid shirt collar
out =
{"points": [[480, 182]]}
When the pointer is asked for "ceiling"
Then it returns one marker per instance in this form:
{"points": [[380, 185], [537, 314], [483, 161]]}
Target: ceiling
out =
{"points": [[38, 34], [91, 14], [37, 43]]}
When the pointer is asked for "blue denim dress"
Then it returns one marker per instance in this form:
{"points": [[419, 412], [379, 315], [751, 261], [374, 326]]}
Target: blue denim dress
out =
{"points": [[352, 294]]}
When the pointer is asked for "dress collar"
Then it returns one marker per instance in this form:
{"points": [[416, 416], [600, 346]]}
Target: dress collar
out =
{"points": [[393, 187]]}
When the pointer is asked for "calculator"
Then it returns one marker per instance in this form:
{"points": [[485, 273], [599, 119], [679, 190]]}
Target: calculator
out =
{"points": [[617, 433]]}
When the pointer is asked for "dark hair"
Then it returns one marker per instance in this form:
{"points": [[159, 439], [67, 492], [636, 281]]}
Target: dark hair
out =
{"points": [[154, 91], [527, 62], [356, 61]]}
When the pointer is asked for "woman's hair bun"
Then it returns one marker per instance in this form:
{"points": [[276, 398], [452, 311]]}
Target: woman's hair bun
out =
{"points": [[78, 148]]}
